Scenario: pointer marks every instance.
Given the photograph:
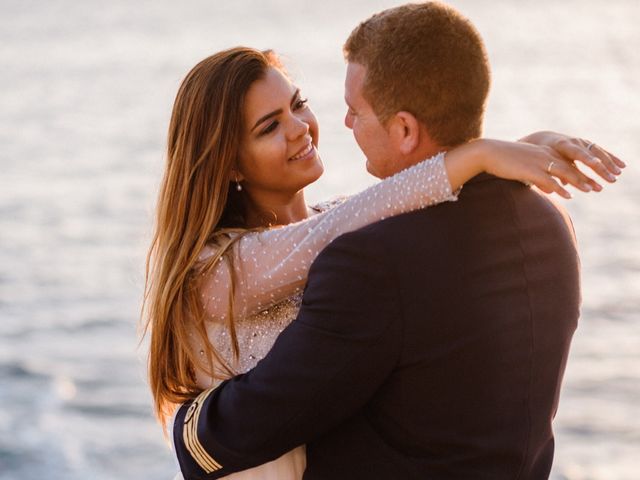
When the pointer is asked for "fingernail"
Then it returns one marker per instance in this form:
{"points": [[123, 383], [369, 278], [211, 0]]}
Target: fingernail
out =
{"points": [[616, 170], [586, 187], [622, 164], [611, 178]]}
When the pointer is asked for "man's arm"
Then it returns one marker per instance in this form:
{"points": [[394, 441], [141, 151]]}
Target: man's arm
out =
{"points": [[322, 369]]}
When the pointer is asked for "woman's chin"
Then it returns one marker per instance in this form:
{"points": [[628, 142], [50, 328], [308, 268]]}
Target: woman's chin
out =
{"points": [[313, 170], [319, 166], [317, 172], [309, 180]]}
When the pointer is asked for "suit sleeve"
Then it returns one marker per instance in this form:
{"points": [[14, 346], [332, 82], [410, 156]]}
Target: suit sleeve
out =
{"points": [[322, 369]]}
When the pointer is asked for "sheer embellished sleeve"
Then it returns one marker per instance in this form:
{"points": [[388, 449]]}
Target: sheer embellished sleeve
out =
{"points": [[271, 265]]}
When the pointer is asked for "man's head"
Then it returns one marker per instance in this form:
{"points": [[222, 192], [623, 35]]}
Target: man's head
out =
{"points": [[421, 71]]}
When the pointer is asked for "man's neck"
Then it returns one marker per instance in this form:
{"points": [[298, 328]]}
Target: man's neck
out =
{"points": [[421, 153]]}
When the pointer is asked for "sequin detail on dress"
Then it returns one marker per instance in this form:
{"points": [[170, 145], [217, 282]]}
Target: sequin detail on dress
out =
{"points": [[258, 333], [271, 266]]}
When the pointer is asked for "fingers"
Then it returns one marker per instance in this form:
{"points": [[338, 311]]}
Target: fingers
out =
{"points": [[616, 160], [595, 186], [558, 165], [602, 162], [567, 173], [554, 171], [548, 184], [613, 163], [552, 167], [596, 159]]}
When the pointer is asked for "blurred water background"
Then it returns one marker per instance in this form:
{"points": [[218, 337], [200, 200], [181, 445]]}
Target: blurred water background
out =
{"points": [[86, 90]]}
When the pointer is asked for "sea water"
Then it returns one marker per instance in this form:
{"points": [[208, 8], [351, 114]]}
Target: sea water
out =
{"points": [[86, 90]]}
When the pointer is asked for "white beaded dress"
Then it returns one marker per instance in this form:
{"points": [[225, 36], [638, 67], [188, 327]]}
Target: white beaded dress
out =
{"points": [[270, 271]]}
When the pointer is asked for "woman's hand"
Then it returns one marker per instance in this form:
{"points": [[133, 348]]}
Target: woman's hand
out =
{"points": [[574, 149], [544, 166]]}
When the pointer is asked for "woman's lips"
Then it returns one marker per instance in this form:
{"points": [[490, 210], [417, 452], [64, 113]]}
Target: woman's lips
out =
{"points": [[305, 152]]}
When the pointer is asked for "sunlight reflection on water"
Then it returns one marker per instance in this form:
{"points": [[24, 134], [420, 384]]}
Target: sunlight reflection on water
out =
{"points": [[85, 97]]}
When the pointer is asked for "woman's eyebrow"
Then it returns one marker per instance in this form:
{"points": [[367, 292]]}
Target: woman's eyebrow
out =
{"points": [[275, 112]]}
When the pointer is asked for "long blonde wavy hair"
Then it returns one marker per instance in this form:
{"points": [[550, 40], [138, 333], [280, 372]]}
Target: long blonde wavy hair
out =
{"points": [[198, 204]]}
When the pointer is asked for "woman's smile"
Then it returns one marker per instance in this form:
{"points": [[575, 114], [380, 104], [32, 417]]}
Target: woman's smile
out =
{"points": [[305, 153]]}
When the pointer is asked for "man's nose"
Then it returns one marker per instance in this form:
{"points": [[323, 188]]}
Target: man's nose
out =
{"points": [[348, 121]]}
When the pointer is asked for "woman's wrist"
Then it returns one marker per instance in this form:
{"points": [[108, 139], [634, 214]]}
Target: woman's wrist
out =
{"points": [[477, 154], [465, 162]]}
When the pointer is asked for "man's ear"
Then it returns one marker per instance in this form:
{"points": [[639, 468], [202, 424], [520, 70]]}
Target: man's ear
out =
{"points": [[404, 129]]}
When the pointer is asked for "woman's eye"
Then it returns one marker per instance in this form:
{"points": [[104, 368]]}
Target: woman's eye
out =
{"points": [[300, 103], [270, 128]]}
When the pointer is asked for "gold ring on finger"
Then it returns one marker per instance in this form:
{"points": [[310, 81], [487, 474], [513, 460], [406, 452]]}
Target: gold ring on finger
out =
{"points": [[551, 163]]}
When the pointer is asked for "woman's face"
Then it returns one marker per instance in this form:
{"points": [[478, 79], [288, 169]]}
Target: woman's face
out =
{"points": [[278, 153]]}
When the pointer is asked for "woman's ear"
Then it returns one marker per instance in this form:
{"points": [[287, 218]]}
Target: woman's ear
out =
{"points": [[404, 129], [236, 176]]}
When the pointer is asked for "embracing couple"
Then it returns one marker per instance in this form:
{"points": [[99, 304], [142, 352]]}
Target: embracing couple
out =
{"points": [[429, 341]]}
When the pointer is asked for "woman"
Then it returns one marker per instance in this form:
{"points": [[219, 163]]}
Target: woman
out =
{"points": [[234, 237]]}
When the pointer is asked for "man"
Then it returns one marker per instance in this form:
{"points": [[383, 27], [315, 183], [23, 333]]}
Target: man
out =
{"points": [[429, 345]]}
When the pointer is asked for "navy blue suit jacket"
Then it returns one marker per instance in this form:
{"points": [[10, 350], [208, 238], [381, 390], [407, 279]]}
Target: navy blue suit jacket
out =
{"points": [[430, 345]]}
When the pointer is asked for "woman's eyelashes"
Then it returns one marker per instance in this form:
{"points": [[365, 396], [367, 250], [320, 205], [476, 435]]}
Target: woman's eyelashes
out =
{"points": [[269, 128], [298, 104]]}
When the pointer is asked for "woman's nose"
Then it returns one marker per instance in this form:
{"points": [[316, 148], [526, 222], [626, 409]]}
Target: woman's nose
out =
{"points": [[298, 128]]}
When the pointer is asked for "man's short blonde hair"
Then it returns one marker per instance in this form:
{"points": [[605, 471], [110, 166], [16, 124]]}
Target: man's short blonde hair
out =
{"points": [[426, 59]]}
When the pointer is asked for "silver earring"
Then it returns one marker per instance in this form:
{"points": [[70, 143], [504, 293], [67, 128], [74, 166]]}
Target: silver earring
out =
{"points": [[238, 186]]}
